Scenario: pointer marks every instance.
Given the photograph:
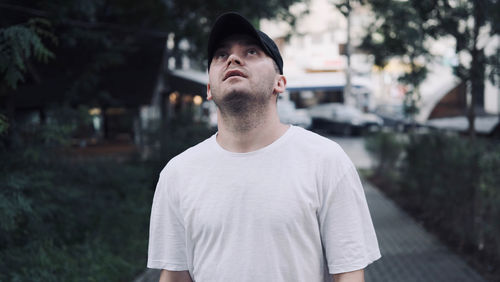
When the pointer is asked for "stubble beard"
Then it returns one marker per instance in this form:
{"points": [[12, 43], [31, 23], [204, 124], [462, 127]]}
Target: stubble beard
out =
{"points": [[241, 110]]}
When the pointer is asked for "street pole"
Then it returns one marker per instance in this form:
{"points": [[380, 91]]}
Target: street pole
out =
{"points": [[348, 99]]}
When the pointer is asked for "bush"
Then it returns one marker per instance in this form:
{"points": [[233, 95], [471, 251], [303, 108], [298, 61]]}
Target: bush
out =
{"points": [[450, 183], [489, 210], [183, 133], [62, 221], [387, 150], [439, 181], [178, 134]]}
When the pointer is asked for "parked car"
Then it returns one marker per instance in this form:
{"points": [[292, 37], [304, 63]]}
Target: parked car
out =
{"points": [[343, 119], [393, 116], [289, 114]]}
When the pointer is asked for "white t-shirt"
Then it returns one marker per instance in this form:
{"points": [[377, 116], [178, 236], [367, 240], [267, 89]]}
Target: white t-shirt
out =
{"points": [[294, 210]]}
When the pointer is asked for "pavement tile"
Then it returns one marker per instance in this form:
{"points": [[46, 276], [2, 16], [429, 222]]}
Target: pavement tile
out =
{"points": [[409, 252]]}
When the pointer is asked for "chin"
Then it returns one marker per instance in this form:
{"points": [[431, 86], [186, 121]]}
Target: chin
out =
{"points": [[237, 88], [237, 95], [232, 92], [237, 102]]}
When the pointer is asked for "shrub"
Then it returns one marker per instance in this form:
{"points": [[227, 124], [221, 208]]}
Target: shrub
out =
{"points": [[450, 183], [439, 181], [489, 214], [73, 221], [178, 134], [387, 149], [63, 220]]}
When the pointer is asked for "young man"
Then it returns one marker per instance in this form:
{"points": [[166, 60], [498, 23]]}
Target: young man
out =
{"points": [[260, 200]]}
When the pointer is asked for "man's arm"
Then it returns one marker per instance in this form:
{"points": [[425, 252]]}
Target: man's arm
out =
{"points": [[175, 276], [353, 276]]}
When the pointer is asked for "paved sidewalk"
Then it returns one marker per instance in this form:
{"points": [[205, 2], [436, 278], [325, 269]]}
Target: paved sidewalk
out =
{"points": [[409, 253]]}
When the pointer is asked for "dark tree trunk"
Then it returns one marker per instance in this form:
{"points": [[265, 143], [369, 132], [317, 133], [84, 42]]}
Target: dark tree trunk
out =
{"points": [[476, 73]]}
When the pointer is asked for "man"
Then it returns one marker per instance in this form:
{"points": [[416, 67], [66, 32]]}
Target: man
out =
{"points": [[260, 200]]}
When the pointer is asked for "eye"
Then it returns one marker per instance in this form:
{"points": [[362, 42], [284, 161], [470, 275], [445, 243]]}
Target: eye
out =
{"points": [[252, 51], [220, 54]]}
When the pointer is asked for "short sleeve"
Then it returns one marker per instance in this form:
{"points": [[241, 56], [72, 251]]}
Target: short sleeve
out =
{"points": [[347, 232], [167, 245]]}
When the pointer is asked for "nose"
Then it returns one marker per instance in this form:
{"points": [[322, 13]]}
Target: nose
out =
{"points": [[234, 59]]}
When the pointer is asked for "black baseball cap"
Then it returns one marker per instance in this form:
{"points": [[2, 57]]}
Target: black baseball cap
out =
{"points": [[233, 23]]}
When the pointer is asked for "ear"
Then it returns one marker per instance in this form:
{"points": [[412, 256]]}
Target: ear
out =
{"points": [[209, 92], [280, 84]]}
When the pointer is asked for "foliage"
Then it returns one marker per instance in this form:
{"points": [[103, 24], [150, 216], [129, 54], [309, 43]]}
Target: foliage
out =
{"points": [[489, 210], [182, 134], [403, 27], [95, 36], [345, 6], [103, 53], [191, 20], [178, 134], [60, 126], [399, 32], [18, 44], [451, 184], [386, 148], [440, 177], [4, 125], [57, 216]]}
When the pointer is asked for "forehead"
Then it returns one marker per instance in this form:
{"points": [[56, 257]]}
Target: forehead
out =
{"points": [[237, 39]]}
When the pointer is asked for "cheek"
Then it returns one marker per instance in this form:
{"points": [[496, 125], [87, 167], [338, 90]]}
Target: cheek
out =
{"points": [[212, 78], [267, 68]]}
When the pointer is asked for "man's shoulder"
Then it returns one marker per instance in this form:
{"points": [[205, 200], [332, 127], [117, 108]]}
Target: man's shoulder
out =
{"points": [[311, 141], [323, 151]]}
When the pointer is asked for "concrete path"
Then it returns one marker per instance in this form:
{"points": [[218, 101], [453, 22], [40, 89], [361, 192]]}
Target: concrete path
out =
{"points": [[409, 253], [355, 149]]}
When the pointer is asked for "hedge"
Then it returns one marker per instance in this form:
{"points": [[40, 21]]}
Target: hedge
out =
{"points": [[63, 219], [450, 183]]}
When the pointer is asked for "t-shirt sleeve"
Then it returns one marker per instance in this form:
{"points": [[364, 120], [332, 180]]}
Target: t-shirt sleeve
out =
{"points": [[346, 227], [167, 245]]}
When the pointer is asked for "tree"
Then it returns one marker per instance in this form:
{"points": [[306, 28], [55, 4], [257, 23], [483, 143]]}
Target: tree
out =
{"points": [[192, 20], [18, 44], [345, 7], [463, 20], [398, 32], [102, 45]]}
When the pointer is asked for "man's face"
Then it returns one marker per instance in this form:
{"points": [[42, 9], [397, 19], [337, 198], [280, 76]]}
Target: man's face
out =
{"points": [[241, 72]]}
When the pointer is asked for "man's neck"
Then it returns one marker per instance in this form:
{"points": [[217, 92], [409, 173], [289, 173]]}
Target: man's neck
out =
{"points": [[242, 136]]}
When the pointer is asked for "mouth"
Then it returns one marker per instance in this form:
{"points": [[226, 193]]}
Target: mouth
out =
{"points": [[232, 73]]}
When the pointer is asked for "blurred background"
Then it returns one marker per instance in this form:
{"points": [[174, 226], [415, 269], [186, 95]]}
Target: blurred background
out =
{"points": [[97, 95]]}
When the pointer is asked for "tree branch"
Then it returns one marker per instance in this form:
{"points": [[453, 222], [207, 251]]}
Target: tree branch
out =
{"points": [[88, 25]]}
